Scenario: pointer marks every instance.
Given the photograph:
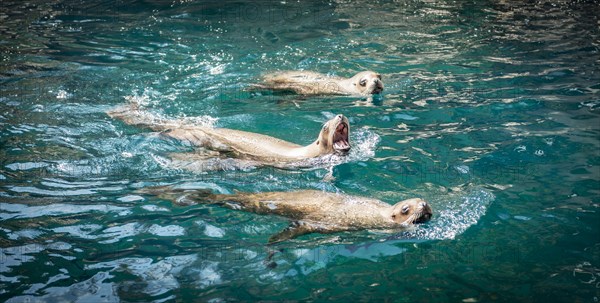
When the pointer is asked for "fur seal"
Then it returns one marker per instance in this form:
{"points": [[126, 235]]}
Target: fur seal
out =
{"points": [[254, 148], [311, 211], [311, 83]]}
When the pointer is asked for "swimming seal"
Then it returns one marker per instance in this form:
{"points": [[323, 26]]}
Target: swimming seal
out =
{"points": [[257, 149], [311, 211], [311, 83]]}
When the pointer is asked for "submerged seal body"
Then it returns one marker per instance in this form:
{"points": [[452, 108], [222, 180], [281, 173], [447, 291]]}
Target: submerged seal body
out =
{"points": [[311, 83], [258, 148], [313, 211]]}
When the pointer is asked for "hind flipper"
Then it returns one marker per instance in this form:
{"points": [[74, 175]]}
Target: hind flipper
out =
{"points": [[132, 114], [178, 195]]}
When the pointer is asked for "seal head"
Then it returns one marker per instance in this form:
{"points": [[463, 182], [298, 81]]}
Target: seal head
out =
{"points": [[411, 211], [368, 82], [334, 136]]}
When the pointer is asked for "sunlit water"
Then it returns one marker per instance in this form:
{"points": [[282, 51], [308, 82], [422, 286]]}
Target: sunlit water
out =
{"points": [[490, 112]]}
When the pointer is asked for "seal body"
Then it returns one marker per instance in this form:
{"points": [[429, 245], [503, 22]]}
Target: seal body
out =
{"points": [[312, 83], [313, 211], [258, 148]]}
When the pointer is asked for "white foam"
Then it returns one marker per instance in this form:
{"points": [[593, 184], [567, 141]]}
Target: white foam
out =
{"points": [[364, 143], [453, 215], [63, 94]]}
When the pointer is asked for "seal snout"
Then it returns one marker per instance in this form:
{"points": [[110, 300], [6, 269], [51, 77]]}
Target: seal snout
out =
{"points": [[378, 86], [425, 211]]}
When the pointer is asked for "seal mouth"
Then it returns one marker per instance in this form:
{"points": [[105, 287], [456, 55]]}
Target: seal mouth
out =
{"points": [[423, 215], [377, 88], [423, 218], [340, 138]]}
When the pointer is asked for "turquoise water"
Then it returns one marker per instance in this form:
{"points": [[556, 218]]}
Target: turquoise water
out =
{"points": [[490, 112]]}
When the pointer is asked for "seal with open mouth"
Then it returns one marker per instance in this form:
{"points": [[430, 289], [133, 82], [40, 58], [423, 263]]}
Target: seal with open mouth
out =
{"points": [[256, 148], [311, 211], [340, 137], [311, 83]]}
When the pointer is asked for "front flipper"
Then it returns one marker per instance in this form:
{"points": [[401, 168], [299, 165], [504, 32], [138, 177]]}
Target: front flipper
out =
{"points": [[295, 229]]}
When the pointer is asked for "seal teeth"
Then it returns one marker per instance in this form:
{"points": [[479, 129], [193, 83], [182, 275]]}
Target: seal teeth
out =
{"points": [[340, 138], [341, 144]]}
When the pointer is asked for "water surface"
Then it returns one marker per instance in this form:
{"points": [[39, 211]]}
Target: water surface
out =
{"points": [[490, 112]]}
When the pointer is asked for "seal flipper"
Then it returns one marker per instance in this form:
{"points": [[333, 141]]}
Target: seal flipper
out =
{"points": [[132, 114], [208, 161], [295, 229], [179, 195]]}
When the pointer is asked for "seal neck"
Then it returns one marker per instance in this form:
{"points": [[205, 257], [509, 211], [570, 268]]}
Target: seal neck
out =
{"points": [[311, 150], [386, 217]]}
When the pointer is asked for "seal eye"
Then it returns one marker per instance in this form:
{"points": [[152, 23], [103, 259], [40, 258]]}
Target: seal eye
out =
{"points": [[405, 209], [363, 82], [325, 126]]}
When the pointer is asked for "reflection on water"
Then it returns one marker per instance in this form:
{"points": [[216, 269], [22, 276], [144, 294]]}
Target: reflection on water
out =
{"points": [[490, 113]]}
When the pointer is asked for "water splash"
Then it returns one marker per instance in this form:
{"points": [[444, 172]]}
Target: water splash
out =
{"points": [[364, 143], [140, 112], [453, 215]]}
